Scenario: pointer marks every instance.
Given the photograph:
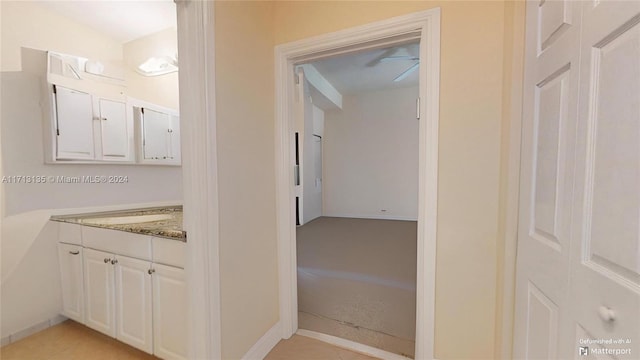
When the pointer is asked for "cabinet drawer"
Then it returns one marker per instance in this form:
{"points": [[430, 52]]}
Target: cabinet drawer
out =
{"points": [[169, 252], [117, 242], [69, 233]]}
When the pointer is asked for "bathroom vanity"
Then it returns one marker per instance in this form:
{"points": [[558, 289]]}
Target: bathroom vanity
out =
{"points": [[123, 275]]}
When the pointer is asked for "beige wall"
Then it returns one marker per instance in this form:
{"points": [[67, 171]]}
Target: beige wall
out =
{"points": [[245, 133], [470, 135], [161, 90]]}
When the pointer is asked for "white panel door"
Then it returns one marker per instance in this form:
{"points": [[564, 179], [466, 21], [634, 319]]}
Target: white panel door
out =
{"points": [[99, 291], [605, 279], [549, 121], [74, 124], [114, 125], [71, 274], [578, 265], [134, 304], [169, 312], [156, 128]]}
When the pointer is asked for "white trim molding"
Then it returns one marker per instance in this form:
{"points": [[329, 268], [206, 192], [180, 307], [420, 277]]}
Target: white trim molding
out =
{"points": [[263, 346], [200, 179], [425, 27]]}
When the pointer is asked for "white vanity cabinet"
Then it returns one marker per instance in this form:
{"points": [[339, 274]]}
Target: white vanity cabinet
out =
{"points": [[99, 285], [134, 302], [128, 286], [169, 312], [118, 297], [71, 273]]}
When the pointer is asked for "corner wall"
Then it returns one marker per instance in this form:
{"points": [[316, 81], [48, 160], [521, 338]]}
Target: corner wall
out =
{"points": [[246, 167]]}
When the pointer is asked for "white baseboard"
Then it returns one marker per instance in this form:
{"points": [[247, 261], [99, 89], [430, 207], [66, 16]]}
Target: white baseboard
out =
{"points": [[18, 335], [262, 347], [352, 345]]}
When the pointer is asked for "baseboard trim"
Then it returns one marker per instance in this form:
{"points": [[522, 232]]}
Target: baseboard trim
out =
{"points": [[352, 345], [18, 335], [261, 348]]}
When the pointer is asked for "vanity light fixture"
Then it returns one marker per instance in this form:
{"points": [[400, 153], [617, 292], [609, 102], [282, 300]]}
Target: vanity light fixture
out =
{"points": [[155, 66]]}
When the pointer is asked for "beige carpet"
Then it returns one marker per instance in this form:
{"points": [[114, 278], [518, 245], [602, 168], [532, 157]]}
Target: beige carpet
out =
{"points": [[356, 280]]}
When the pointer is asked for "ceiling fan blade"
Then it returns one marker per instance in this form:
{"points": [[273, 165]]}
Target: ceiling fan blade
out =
{"points": [[393, 58], [387, 53], [407, 72]]}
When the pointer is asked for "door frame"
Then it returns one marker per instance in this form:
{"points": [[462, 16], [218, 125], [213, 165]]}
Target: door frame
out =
{"points": [[425, 26], [196, 46]]}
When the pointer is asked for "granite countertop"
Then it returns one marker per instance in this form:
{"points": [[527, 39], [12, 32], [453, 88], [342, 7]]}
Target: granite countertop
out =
{"points": [[163, 222]]}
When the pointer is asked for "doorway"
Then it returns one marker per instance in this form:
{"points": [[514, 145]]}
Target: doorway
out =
{"points": [[357, 196], [422, 27]]}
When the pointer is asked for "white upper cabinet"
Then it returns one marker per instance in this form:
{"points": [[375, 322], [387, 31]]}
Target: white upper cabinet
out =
{"points": [[89, 127], [114, 130], [90, 119], [156, 127], [159, 129], [74, 124]]}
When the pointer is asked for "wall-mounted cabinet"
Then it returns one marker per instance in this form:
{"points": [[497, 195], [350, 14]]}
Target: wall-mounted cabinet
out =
{"points": [[158, 133], [90, 127], [90, 120]]}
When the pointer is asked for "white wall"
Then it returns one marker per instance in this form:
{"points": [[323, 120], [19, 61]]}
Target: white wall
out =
{"points": [[312, 154], [32, 294], [163, 89], [371, 156]]}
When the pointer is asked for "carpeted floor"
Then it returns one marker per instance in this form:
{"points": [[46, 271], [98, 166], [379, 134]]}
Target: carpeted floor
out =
{"points": [[356, 280]]}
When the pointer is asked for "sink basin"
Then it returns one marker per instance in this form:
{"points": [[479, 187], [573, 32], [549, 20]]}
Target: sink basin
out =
{"points": [[123, 220]]}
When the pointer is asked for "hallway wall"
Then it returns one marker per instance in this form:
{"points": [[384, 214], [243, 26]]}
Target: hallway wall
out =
{"points": [[469, 152]]}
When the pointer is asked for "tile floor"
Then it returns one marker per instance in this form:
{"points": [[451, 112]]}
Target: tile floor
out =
{"points": [[72, 341], [301, 347]]}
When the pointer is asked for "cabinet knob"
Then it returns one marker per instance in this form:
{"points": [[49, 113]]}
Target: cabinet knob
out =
{"points": [[114, 261], [74, 252], [606, 314], [151, 271], [106, 260]]}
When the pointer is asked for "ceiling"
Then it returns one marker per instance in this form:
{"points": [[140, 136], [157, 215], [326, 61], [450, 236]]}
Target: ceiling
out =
{"points": [[122, 20], [359, 72]]}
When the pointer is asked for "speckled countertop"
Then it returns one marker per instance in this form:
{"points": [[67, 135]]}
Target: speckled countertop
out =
{"points": [[167, 226]]}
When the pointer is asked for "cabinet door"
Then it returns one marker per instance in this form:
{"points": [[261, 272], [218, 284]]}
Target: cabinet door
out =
{"points": [[74, 124], [115, 135], [71, 274], [156, 128], [169, 312], [99, 291], [133, 304], [174, 139]]}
